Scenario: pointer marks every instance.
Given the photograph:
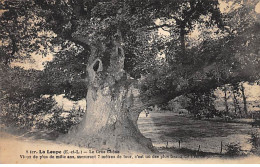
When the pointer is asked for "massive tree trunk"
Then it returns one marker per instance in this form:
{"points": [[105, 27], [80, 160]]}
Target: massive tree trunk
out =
{"points": [[110, 121]]}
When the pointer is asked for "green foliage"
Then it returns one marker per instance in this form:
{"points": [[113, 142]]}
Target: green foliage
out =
{"points": [[256, 123], [59, 120], [159, 82], [17, 84], [89, 23], [23, 32], [255, 141], [23, 104], [23, 114], [202, 104], [243, 25], [39, 113], [66, 75], [92, 23], [180, 102], [233, 149]]}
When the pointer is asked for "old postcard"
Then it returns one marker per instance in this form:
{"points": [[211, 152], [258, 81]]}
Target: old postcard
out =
{"points": [[129, 81]]}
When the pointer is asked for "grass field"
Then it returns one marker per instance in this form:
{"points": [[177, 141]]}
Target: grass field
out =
{"points": [[167, 129]]}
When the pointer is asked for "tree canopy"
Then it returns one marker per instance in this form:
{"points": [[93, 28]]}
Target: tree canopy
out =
{"points": [[71, 30]]}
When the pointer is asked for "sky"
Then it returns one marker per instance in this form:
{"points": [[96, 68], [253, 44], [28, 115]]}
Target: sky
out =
{"points": [[257, 8]]}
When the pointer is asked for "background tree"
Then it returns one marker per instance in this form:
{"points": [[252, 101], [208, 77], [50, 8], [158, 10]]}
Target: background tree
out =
{"points": [[22, 31], [235, 92], [185, 17]]}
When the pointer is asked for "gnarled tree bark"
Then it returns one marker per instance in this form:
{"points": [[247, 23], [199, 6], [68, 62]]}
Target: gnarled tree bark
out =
{"points": [[110, 121]]}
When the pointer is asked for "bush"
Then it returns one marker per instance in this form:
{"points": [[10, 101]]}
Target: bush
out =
{"points": [[22, 114], [255, 141], [233, 149], [39, 113], [256, 123], [60, 120], [178, 103]]}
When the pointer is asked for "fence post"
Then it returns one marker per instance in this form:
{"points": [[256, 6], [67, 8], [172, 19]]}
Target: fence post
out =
{"points": [[179, 144], [221, 145], [167, 144]]}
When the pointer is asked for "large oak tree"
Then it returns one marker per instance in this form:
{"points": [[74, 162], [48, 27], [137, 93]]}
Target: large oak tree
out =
{"points": [[107, 40]]}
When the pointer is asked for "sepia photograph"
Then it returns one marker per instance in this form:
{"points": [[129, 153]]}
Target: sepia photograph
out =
{"points": [[129, 81]]}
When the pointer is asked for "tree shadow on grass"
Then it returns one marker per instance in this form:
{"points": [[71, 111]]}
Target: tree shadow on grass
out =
{"points": [[36, 134]]}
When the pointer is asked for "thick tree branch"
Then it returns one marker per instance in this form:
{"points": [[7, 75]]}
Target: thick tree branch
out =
{"points": [[160, 26]]}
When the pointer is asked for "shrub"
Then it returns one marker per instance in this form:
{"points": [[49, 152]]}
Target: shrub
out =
{"points": [[255, 141], [22, 114], [60, 120], [39, 113], [233, 149], [256, 123]]}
